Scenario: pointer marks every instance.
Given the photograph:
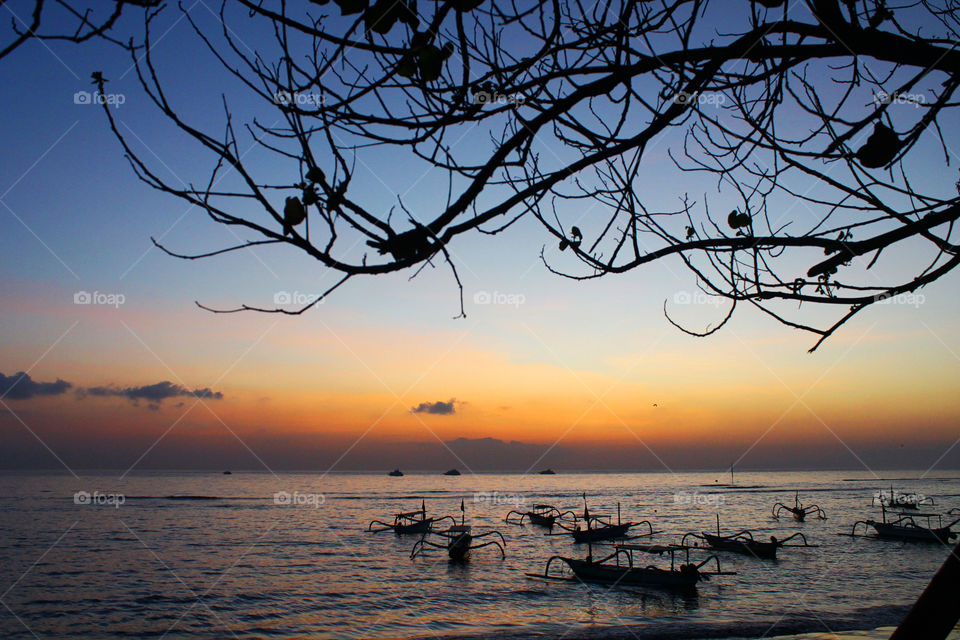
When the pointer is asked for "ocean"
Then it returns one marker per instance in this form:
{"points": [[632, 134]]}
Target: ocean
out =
{"points": [[257, 555]]}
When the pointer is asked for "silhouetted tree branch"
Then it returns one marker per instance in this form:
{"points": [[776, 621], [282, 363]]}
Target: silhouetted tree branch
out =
{"points": [[826, 107], [75, 21]]}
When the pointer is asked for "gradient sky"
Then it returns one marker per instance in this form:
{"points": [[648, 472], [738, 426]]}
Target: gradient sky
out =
{"points": [[588, 374]]}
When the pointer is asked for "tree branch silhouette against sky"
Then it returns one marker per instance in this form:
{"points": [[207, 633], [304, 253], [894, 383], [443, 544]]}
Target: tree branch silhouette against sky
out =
{"points": [[816, 125]]}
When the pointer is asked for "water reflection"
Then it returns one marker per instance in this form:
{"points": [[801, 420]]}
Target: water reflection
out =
{"points": [[243, 564]]}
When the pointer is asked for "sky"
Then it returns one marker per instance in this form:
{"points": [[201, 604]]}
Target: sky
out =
{"points": [[123, 370]]}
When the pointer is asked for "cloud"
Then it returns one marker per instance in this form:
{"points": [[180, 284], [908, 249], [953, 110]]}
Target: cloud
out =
{"points": [[436, 408], [20, 386], [153, 393]]}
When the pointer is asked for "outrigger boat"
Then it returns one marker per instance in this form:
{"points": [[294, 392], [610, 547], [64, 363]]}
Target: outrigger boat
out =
{"points": [[409, 522], [905, 528], [544, 515], [798, 511], [599, 527], [743, 542], [618, 568], [460, 541]]}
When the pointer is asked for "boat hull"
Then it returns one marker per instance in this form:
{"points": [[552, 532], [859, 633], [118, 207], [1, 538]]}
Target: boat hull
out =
{"points": [[601, 533], [649, 576], [765, 550], [543, 521], [422, 526], [920, 534], [459, 547]]}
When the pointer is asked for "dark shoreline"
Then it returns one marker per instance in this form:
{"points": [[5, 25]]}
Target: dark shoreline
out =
{"points": [[864, 621]]}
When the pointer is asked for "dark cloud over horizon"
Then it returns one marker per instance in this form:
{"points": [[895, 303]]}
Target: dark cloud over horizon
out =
{"points": [[154, 393], [20, 386], [436, 408]]}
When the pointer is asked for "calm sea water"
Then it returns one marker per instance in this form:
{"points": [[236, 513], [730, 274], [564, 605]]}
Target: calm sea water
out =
{"points": [[241, 564]]}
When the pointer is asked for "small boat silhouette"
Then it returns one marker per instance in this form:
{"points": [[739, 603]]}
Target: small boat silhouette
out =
{"points": [[451, 472], [544, 515], [410, 522], [548, 472], [396, 473], [599, 527], [227, 473], [620, 568], [744, 544], [460, 540], [798, 511]]}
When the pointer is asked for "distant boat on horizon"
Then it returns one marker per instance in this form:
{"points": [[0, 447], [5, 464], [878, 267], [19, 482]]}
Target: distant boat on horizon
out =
{"points": [[396, 473], [228, 473], [548, 472], [451, 472]]}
